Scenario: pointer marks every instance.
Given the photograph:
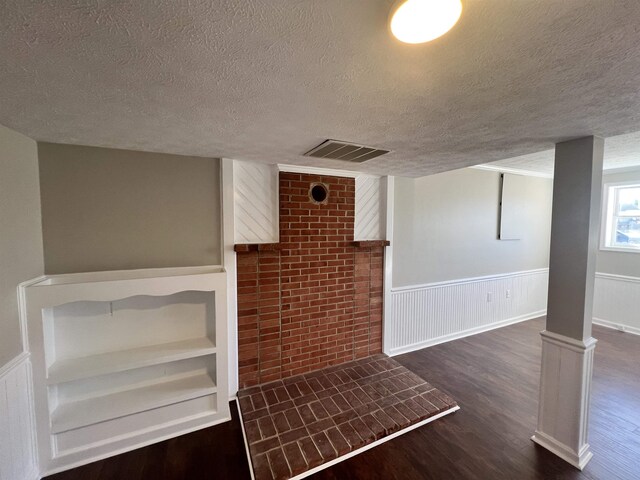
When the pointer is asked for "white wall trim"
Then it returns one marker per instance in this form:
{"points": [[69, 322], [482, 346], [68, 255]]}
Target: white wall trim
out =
{"points": [[515, 171], [22, 309], [562, 450], [466, 333], [616, 326], [12, 364], [616, 170], [323, 171], [462, 281], [229, 262], [616, 302], [563, 341], [387, 312], [621, 278], [565, 392], [419, 316], [17, 422], [533, 173]]}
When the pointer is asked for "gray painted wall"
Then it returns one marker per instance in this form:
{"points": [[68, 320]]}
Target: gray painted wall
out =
{"points": [[21, 237], [106, 209], [445, 228], [619, 263], [575, 224]]}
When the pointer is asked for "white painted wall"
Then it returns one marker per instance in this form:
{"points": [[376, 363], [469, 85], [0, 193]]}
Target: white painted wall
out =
{"points": [[446, 226], [451, 275]]}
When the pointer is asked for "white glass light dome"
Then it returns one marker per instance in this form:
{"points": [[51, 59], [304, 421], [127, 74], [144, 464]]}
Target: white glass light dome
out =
{"points": [[419, 21]]}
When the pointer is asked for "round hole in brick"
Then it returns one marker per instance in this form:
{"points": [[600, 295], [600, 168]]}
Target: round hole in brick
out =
{"points": [[319, 193]]}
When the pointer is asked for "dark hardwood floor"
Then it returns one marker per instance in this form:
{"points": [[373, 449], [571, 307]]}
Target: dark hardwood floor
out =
{"points": [[494, 377]]}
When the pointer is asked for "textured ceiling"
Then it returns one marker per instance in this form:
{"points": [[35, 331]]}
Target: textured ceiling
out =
{"points": [[620, 152], [268, 79]]}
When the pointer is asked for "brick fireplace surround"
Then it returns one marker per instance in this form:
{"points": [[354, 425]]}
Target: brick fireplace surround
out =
{"points": [[315, 298]]}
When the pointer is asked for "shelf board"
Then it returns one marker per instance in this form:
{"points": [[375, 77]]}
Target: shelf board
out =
{"points": [[81, 413], [120, 361]]}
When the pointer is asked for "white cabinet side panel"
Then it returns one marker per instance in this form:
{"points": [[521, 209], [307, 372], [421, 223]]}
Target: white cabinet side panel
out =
{"points": [[17, 456], [256, 202]]}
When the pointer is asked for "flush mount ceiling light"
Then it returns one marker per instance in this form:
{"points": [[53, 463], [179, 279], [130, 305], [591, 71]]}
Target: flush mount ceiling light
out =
{"points": [[419, 21]]}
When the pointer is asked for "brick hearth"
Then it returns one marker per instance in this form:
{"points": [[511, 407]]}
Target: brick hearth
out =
{"points": [[299, 423]]}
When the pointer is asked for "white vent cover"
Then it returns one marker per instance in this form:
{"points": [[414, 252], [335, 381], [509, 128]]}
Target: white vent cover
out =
{"points": [[348, 152]]}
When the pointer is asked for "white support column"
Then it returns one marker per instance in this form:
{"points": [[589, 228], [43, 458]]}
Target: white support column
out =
{"points": [[567, 345]]}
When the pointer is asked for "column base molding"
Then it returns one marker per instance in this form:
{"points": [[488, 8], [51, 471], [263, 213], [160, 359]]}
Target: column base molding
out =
{"points": [[579, 460], [565, 393]]}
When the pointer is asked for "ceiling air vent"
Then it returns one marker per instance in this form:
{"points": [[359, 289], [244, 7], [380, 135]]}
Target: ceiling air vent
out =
{"points": [[348, 152]]}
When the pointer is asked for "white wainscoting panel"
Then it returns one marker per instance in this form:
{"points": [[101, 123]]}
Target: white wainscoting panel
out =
{"points": [[370, 208], [434, 313], [256, 202], [617, 302], [17, 445]]}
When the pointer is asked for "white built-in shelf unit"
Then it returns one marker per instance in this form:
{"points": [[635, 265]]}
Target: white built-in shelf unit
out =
{"points": [[126, 358]]}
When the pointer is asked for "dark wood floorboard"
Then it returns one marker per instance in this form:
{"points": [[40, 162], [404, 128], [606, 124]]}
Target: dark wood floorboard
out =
{"points": [[494, 377]]}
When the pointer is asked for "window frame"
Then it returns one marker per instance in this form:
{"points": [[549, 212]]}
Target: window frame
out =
{"points": [[608, 207]]}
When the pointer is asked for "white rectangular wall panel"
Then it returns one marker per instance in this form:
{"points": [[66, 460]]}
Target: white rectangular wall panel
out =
{"points": [[429, 314], [255, 202], [513, 206], [370, 208], [17, 452]]}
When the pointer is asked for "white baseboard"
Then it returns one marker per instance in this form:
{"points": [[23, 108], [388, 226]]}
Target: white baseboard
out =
{"points": [[617, 326], [34, 474], [465, 333], [80, 458]]}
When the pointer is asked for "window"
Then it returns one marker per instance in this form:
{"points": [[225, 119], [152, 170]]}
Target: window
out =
{"points": [[622, 217]]}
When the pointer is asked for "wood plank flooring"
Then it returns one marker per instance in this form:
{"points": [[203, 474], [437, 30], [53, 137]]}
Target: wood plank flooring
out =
{"points": [[494, 377]]}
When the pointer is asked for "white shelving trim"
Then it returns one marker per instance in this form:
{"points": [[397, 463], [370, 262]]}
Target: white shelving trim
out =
{"points": [[72, 415], [154, 396], [66, 370]]}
